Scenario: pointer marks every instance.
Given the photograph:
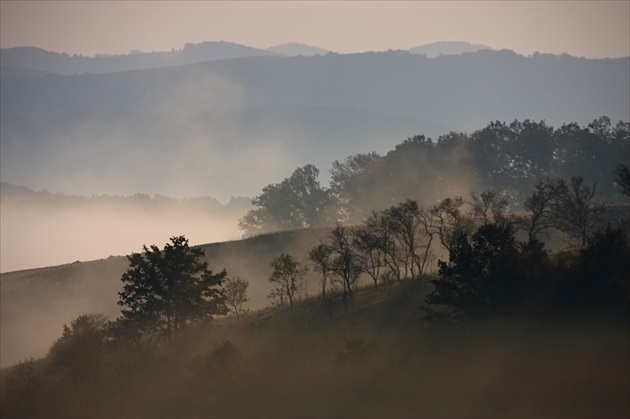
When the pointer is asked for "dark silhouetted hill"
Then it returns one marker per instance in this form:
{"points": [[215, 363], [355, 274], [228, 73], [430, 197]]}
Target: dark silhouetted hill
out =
{"points": [[38, 60], [277, 113]]}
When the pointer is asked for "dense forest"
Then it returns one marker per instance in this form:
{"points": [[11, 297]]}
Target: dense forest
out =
{"points": [[511, 300], [508, 159]]}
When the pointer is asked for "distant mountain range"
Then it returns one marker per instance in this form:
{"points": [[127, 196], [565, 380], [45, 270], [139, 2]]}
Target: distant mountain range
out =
{"points": [[179, 130], [26, 60], [31, 61], [436, 49]]}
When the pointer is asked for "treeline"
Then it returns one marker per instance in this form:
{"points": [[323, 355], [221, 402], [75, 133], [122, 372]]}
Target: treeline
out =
{"points": [[19, 194], [478, 240], [506, 158]]}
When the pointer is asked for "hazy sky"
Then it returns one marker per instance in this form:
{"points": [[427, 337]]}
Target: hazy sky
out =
{"points": [[581, 28]]}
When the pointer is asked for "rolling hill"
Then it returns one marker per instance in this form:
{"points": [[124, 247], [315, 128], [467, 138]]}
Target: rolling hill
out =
{"points": [[272, 114], [42, 300]]}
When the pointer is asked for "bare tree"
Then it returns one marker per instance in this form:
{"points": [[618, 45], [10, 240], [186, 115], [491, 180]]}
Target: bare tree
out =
{"points": [[541, 204], [370, 248], [488, 208], [320, 256], [288, 273], [345, 262], [235, 292], [411, 234], [576, 211], [448, 221]]}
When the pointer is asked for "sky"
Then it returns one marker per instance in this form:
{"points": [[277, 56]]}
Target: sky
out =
{"points": [[592, 29]]}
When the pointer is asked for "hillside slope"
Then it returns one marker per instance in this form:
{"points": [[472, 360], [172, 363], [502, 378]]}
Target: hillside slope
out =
{"points": [[375, 359], [35, 303]]}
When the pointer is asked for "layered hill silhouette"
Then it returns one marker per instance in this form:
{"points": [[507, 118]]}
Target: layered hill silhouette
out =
{"points": [[275, 113], [25, 61], [33, 61]]}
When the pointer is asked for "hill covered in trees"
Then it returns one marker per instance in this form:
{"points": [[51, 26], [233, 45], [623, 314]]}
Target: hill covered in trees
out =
{"points": [[517, 157], [398, 290], [413, 342], [507, 158], [270, 114], [381, 356]]}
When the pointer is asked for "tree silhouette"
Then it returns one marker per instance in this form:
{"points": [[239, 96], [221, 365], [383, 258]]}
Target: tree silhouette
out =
{"points": [[288, 273], [541, 204], [485, 275], [345, 261], [576, 211], [320, 256], [236, 294], [297, 202], [164, 290]]}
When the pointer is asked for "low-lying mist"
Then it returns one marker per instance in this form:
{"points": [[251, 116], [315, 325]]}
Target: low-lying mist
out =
{"points": [[39, 233]]}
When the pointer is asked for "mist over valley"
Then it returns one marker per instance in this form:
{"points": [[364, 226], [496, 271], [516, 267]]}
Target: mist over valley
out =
{"points": [[223, 230], [176, 131]]}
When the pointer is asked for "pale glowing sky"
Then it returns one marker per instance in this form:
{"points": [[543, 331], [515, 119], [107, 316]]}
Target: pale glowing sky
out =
{"points": [[581, 28]]}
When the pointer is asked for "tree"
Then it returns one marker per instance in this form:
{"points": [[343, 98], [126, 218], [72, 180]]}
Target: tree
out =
{"points": [[370, 247], [449, 221], [622, 178], [320, 257], [488, 274], [576, 210], [488, 208], [165, 290], [235, 290], [297, 202], [345, 262], [79, 353], [408, 228], [352, 184], [541, 204], [288, 274]]}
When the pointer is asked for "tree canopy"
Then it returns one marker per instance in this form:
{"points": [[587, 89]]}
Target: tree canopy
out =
{"points": [[166, 289], [509, 158], [297, 202]]}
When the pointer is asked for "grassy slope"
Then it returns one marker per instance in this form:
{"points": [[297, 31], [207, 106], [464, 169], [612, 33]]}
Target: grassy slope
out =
{"points": [[297, 363], [289, 363], [35, 303]]}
